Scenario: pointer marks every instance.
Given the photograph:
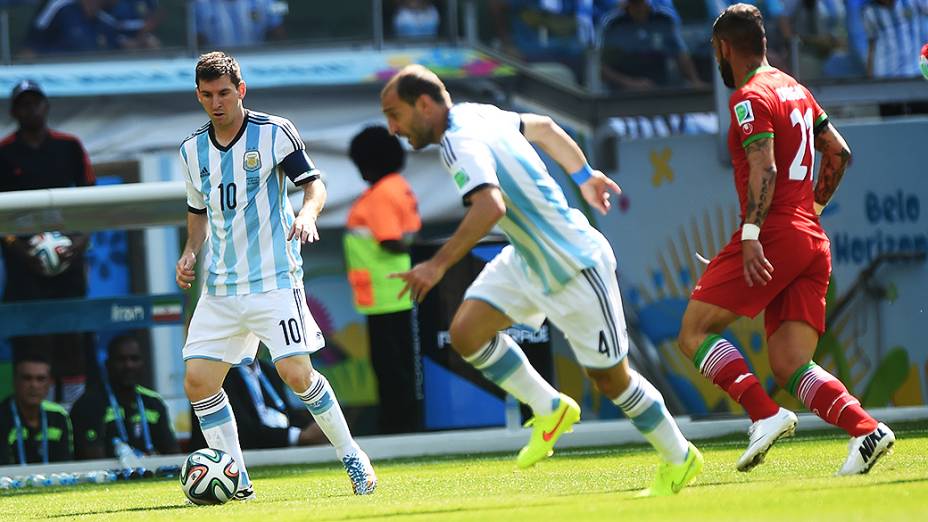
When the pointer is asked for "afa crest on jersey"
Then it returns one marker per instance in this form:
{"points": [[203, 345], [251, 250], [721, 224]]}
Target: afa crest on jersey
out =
{"points": [[252, 160]]}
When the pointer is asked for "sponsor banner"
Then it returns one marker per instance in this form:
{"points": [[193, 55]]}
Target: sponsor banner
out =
{"points": [[89, 315], [279, 69]]}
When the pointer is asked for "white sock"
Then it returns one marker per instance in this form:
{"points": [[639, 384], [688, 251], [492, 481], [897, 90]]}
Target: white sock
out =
{"points": [[321, 402], [503, 362], [217, 421], [644, 406]]}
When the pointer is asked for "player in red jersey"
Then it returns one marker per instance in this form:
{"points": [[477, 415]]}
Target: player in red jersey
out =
{"points": [[779, 261]]}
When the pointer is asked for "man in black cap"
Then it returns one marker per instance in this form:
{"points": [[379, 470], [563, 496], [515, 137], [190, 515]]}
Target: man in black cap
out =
{"points": [[36, 157]]}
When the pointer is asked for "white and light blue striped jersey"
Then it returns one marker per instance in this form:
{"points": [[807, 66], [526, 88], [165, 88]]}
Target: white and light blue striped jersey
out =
{"points": [[243, 191], [483, 146], [898, 31]]}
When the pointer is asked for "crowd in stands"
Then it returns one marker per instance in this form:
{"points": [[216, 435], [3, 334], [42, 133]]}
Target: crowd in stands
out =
{"points": [[641, 43], [647, 43]]}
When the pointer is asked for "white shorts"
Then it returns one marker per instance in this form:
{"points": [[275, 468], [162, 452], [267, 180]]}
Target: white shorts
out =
{"points": [[588, 309], [228, 328]]}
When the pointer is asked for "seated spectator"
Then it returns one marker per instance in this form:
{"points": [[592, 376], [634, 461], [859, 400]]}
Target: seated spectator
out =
{"points": [[66, 26], [819, 25], [545, 31], [265, 415], [136, 21], [416, 19], [121, 408], [638, 42], [238, 23], [33, 430]]}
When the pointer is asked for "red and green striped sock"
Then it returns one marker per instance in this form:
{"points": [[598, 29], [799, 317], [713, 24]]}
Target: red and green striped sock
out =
{"points": [[724, 365]]}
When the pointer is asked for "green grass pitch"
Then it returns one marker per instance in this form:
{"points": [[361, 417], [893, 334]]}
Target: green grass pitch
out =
{"points": [[795, 483]]}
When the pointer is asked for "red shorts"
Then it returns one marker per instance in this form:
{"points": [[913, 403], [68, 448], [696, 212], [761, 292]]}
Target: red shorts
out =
{"points": [[801, 269]]}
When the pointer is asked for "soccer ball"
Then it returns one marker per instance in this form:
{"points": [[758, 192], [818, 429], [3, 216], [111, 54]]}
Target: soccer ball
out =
{"points": [[209, 476], [48, 247], [923, 61]]}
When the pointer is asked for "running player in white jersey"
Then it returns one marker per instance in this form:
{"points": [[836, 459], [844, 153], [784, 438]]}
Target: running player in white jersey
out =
{"points": [[236, 168], [557, 265]]}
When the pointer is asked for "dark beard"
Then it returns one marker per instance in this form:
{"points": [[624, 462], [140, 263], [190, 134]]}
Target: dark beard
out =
{"points": [[728, 75]]}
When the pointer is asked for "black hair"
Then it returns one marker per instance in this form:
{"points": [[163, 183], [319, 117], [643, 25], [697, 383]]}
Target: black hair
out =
{"points": [[376, 153], [31, 358], [742, 26]]}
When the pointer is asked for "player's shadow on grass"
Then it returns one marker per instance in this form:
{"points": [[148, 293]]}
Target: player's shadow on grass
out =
{"points": [[475, 509], [873, 484], [126, 510]]}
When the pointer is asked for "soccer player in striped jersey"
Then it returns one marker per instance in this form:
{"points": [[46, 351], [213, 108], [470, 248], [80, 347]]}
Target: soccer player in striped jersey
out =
{"points": [[779, 262], [556, 266], [236, 167]]}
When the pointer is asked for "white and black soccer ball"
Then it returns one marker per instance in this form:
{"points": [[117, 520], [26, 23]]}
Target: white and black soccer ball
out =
{"points": [[209, 476], [48, 247]]}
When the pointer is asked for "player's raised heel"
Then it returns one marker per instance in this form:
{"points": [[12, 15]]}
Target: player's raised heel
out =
{"points": [[864, 451], [546, 430], [763, 434], [359, 469]]}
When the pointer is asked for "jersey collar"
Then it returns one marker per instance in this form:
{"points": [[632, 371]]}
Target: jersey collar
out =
{"points": [[241, 131], [748, 76]]}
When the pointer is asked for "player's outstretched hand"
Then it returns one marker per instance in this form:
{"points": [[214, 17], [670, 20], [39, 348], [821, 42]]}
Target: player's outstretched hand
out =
{"points": [[304, 228], [757, 269], [185, 270], [419, 280], [596, 191]]}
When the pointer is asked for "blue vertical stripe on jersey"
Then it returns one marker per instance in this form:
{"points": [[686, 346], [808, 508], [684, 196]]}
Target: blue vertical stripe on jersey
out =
{"points": [[206, 187], [229, 256], [555, 197], [553, 267], [277, 231], [252, 224], [525, 251], [295, 244], [511, 187]]}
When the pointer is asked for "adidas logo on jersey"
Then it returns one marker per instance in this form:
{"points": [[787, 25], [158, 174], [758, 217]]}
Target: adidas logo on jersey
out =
{"points": [[204, 172]]}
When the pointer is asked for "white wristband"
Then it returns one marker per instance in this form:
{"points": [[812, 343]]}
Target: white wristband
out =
{"points": [[750, 231], [818, 208]]}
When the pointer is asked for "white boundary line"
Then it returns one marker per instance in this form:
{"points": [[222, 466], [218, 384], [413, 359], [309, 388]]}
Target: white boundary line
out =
{"points": [[464, 442]]}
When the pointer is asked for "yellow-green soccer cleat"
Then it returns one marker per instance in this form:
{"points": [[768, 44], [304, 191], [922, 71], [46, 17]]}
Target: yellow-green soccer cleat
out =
{"points": [[671, 478], [546, 429]]}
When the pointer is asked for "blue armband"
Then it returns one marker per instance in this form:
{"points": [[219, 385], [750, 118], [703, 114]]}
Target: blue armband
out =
{"points": [[582, 174]]}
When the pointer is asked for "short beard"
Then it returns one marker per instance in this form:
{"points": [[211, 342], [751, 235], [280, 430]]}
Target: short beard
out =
{"points": [[728, 75]]}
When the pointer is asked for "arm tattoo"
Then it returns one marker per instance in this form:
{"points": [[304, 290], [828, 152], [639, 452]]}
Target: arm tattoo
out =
{"points": [[835, 159], [761, 181]]}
